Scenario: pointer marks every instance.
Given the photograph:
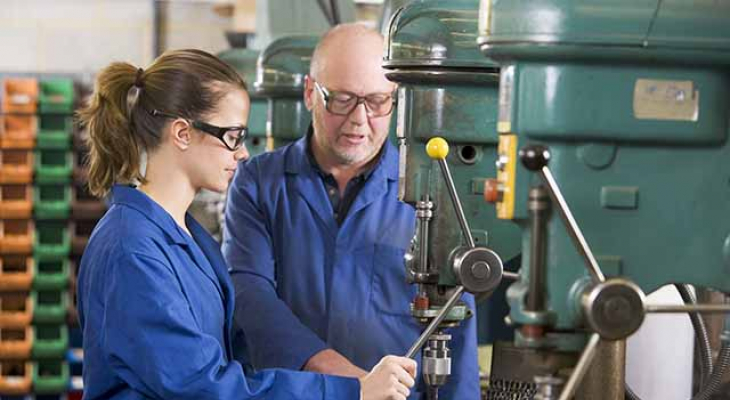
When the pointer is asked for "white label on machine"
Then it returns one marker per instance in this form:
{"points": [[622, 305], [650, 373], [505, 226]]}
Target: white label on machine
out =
{"points": [[506, 87], [485, 17], [666, 100], [402, 164], [400, 129]]}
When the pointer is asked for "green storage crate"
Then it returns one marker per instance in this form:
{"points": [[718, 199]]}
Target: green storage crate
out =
{"points": [[51, 273], [52, 201], [53, 166], [55, 132], [49, 341], [51, 240], [56, 96], [50, 377], [50, 306]]}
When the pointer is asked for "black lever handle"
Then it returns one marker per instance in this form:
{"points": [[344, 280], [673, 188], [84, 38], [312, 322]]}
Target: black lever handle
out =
{"points": [[534, 157]]}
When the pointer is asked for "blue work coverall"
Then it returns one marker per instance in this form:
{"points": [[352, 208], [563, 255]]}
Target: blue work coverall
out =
{"points": [[304, 284], [156, 307]]}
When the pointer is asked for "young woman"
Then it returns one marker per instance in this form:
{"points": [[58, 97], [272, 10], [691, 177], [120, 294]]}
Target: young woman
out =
{"points": [[154, 296]]}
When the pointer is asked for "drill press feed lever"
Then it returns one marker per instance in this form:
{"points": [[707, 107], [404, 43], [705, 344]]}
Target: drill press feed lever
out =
{"points": [[614, 308]]}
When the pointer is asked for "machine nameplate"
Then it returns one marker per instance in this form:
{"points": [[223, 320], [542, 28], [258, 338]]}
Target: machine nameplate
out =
{"points": [[666, 100]]}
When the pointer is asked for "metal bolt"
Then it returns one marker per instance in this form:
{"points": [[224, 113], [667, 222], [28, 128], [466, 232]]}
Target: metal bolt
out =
{"points": [[480, 270], [501, 162], [617, 309]]}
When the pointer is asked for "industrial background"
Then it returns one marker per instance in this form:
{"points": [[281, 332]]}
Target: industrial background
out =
{"points": [[645, 176]]}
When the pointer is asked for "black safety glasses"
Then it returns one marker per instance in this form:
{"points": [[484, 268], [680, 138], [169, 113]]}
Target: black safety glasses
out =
{"points": [[231, 136]]}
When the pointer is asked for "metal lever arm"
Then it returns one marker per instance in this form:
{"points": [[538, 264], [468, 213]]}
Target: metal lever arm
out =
{"points": [[584, 362], [435, 323], [588, 353], [695, 308], [511, 275], [438, 149], [536, 158]]}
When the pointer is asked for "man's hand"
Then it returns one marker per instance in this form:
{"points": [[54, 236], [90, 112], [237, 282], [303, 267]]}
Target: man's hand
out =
{"points": [[331, 362], [389, 380]]}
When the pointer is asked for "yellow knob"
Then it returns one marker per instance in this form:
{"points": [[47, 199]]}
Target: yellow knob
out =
{"points": [[437, 148]]}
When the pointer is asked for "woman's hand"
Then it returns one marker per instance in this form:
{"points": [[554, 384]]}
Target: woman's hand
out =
{"points": [[389, 380]]}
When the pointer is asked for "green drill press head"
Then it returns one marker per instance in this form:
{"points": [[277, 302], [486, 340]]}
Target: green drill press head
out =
{"points": [[448, 89], [244, 61], [280, 74], [631, 100]]}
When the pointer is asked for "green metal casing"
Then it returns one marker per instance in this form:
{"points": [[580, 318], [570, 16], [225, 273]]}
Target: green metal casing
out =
{"points": [[280, 73], [448, 89], [244, 62], [631, 98]]}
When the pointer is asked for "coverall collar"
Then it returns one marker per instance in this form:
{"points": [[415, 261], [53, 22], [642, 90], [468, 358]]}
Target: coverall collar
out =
{"points": [[132, 197], [298, 162], [308, 183]]}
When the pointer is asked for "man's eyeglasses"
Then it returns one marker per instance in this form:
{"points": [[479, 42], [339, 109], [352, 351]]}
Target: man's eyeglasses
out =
{"points": [[231, 136], [342, 103]]}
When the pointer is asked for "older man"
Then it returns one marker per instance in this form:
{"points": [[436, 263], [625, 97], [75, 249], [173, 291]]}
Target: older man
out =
{"points": [[316, 234]]}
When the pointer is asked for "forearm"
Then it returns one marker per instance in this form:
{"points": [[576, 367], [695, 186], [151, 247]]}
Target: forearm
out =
{"points": [[275, 337], [333, 363]]}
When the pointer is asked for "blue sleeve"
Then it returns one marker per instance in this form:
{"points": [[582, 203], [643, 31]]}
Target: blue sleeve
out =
{"points": [[274, 337], [152, 341], [464, 380]]}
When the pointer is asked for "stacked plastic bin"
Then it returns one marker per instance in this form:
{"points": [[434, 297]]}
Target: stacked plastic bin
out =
{"points": [[46, 218], [52, 244], [18, 130]]}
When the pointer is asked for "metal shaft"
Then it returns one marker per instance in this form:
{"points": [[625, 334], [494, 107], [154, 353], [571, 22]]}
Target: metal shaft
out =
{"points": [[432, 392], [435, 322], [697, 308], [457, 203], [586, 358], [424, 215], [572, 227], [510, 275], [538, 206], [605, 377]]}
